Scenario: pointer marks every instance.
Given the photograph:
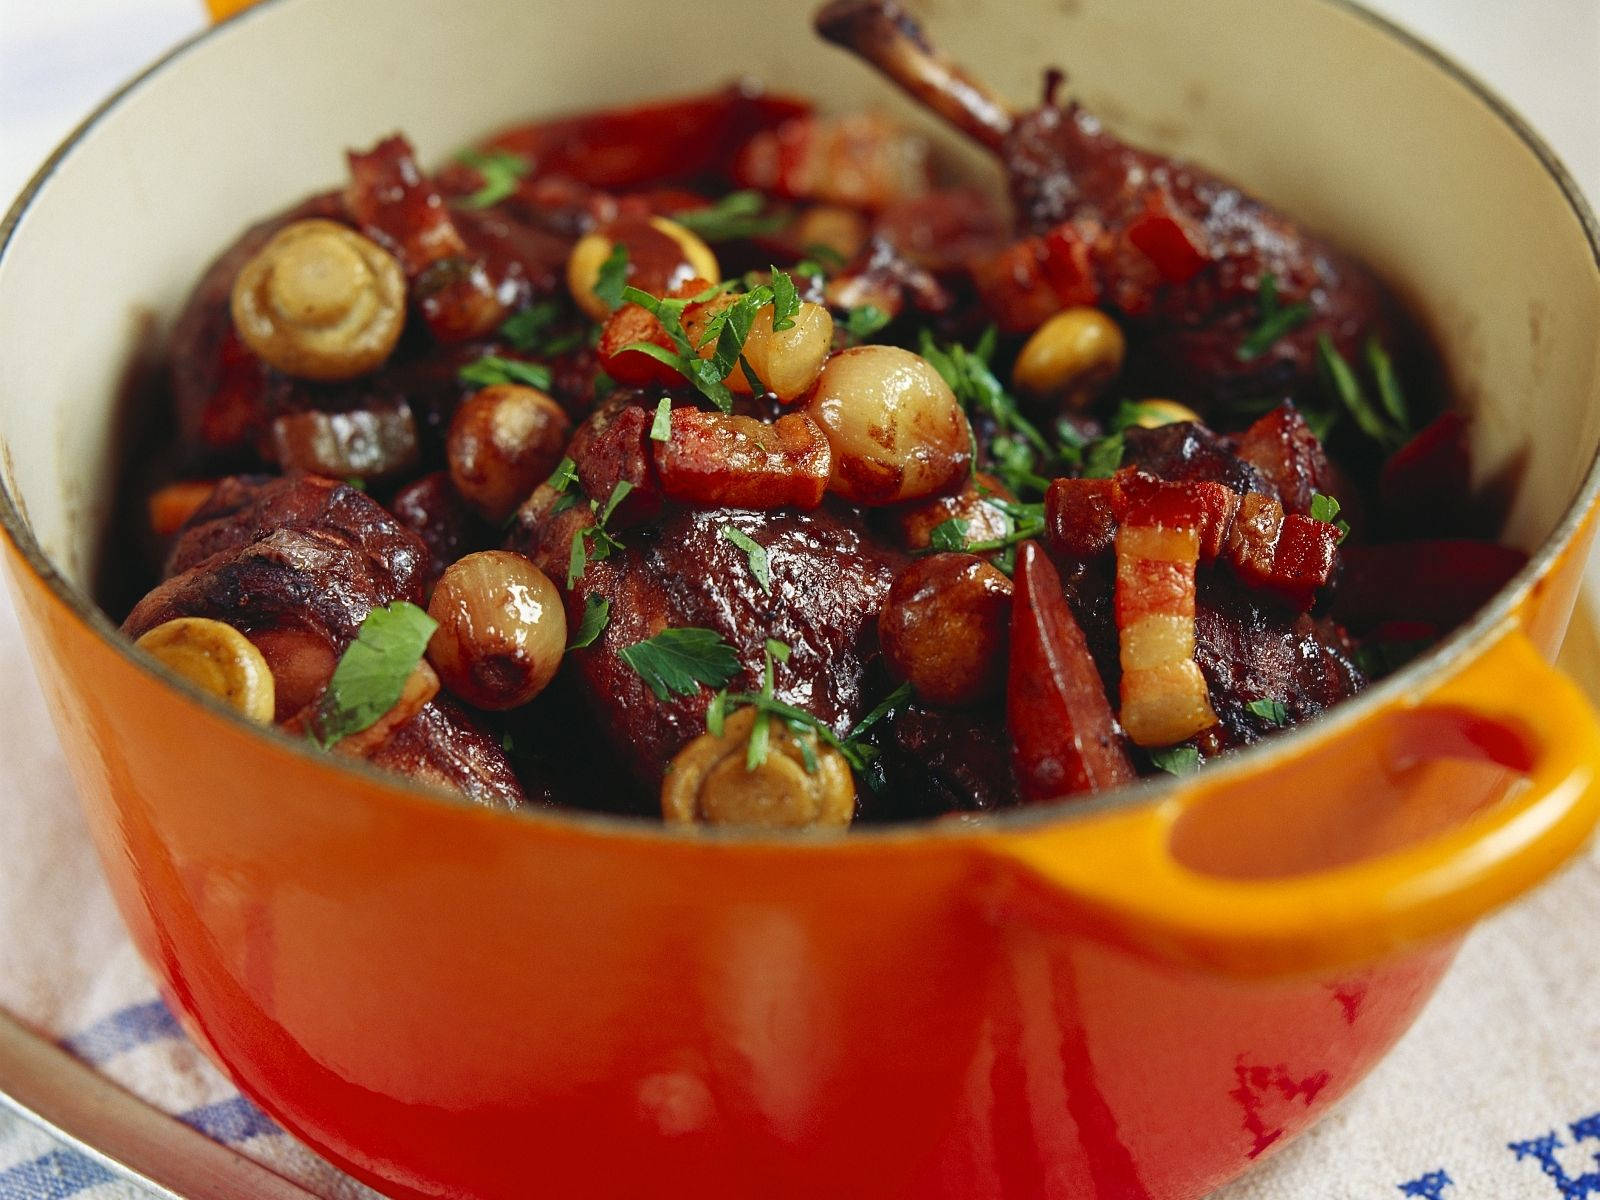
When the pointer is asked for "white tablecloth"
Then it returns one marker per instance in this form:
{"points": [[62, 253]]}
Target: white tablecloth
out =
{"points": [[1494, 1095]]}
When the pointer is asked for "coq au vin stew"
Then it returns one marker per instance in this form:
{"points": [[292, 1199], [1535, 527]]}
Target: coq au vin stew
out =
{"points": [[720, 458]]}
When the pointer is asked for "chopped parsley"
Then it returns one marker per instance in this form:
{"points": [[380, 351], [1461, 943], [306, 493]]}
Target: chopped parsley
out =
{"points": [[733, 216], [564, 476], [533, 330], [1326, 508], [1388, 384], [755, 554], [500, 170], [678, 661], [1276, 320], [861, 323], [1103, 458], [596, 541], [491, 369], [371, 674], [596, 614], [1176, 760], [1339, 379], [661, 424], [949, 535], [1380, 658], [612, 280], [727, 330], [1272, 711], [820, 258]]}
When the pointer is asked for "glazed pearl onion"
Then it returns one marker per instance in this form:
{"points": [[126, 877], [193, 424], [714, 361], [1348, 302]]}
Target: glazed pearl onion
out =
{"points": [[787, 362], [502, 629], [218, 659], [895, 427], [655, 266], [504, 441], [1152, 414], [709, 781], [945, 627], [319, 301], [1071, 357]]}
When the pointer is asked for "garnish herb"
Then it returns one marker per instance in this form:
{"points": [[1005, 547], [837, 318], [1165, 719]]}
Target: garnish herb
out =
{"points": [[728, 329], [1389, 394], [532, 330], [372, 672], [949, 535], [861, 323], [596, 541], [564, 476], [1102, 459], [1326, 508], [1276, 320], [500, 170], [612, 280], [596, 614], [492, 369], [1176, 760], [820, 258], [1273, 711], [761, 728], [678, 661], [755, 553], [736, 215], [785, 301], [1340, 379], [357, 482], [661, 426]]}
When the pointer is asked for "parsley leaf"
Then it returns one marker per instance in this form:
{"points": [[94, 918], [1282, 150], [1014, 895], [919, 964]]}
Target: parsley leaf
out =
{"points": [[500, 170], [1272, 711], [1103, 458], [1389, 394], [949, 535], [564, 476], [372, 672], [492, 369], [1326, 508], [861, 323], [1176, 760], [755, 553], [1022, 456], [1276, 321], [661, 425], [531, 330], [1340, 380], [612, 280], [618, 495], [678, 661], [735, 215], [596, 614], [785, 301], [729, 328]]}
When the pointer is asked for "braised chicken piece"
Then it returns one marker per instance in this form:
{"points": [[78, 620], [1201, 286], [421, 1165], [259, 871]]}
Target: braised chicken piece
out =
{"points": [[719, 459], [297, 564]]}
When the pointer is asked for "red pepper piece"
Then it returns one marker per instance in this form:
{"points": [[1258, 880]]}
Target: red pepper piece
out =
{"points": [[1169, 240], [1068, 265], [1441, 582], [1426, 486], [1064, 738]]}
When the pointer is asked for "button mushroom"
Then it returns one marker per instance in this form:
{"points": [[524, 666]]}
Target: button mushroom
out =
{"points": [[710, 781], [217, 659], [320, 302]]}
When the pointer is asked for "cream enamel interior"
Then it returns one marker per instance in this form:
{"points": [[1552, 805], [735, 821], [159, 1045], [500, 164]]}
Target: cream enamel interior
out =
{"points": [[1309, 103]]}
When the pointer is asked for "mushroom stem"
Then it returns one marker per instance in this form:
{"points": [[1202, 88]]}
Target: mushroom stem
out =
{"points": [[889, 38]]}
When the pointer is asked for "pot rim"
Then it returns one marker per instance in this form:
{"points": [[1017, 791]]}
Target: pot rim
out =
{"points": [[1451, 654]]}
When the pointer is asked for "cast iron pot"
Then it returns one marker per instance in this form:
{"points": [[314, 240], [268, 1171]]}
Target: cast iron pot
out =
{"points": [[1135, 997]]}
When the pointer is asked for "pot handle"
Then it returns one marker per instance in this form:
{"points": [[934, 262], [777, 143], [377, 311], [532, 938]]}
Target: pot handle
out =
{"points": [[1507, 707]]}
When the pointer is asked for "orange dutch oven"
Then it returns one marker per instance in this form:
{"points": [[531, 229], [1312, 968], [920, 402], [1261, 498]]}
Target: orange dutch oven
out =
{"points": [[1130, 998]]}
